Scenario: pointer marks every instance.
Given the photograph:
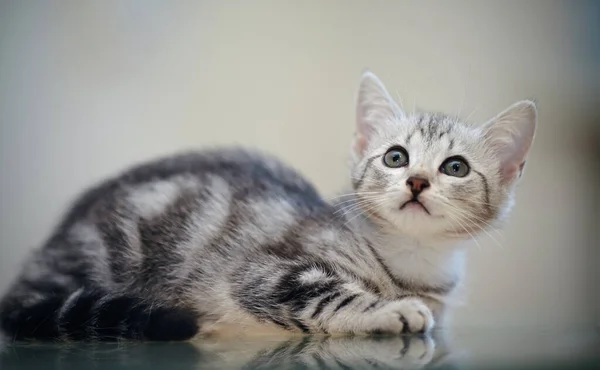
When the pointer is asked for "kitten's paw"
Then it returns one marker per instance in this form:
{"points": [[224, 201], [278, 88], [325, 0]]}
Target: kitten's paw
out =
{"points": [[409, 315]]}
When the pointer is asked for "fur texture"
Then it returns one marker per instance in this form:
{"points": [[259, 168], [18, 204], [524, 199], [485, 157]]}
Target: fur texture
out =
{"points": [[233, 241]]}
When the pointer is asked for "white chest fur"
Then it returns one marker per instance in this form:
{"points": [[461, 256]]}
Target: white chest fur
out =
{"points": [[422, 264]]}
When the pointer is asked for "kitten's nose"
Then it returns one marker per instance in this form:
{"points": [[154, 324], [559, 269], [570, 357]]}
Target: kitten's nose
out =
{"points": [[417, 185]]}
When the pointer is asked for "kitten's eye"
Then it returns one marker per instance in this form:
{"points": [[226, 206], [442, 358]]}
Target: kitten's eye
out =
{"points": [[455, 166], [396, 157]]}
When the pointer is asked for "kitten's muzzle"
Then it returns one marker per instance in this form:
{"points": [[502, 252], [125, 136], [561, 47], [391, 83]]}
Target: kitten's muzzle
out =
{"points": [[416, 186]]}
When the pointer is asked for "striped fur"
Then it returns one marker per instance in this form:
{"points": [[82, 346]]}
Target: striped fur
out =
{"points": [[231, 240]]}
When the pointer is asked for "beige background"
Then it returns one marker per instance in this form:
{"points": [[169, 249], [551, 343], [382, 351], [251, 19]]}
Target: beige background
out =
{"points": [[90, 87]]}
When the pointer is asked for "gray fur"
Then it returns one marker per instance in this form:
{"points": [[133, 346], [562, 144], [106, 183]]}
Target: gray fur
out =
{"points": [[240, 239]]}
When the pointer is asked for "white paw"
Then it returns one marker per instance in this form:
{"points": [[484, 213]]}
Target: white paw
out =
{"points": [[409, 315]]}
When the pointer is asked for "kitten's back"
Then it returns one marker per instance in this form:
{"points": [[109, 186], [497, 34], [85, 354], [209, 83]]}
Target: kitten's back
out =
{"points": [[246, 171], [139, 235]]}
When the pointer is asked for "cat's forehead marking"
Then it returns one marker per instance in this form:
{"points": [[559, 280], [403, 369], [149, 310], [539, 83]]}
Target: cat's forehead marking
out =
{"points": [[431, 127]]}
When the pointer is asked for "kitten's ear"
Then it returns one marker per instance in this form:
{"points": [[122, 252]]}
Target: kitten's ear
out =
{"points": [[375, 107], [510, 135]]}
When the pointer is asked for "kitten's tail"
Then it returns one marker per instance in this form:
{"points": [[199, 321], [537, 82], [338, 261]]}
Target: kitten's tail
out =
{"points": [[92, 315]]}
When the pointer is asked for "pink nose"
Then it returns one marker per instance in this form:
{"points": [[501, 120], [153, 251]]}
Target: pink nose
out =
{"points": [[417, 184]]}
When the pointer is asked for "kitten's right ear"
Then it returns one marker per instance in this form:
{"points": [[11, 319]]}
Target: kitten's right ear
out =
{"points": [[374, 107]]}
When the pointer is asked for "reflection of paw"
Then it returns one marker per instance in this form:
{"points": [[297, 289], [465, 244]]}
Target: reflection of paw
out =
{"points": [[383, 352], [407, 315], [413, 352], [418, 350]]}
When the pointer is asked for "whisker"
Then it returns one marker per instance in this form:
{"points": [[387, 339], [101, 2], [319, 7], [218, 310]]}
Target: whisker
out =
{"points": [[400, 101], [469, 221], [356, 193], [475, 201], [476, 218], [465, 229], [372, 207], [367, 180], [464, 97], [485, 231], [357, 196], [359, 209], [357, 204], [470, 217], [355, 200], [470, 115]]}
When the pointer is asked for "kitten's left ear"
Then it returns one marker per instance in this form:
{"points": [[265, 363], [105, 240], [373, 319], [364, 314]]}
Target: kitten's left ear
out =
{"points": [[374, 107], [510, 135]]}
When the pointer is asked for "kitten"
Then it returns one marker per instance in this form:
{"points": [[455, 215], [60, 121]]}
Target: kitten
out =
{"points": [[233, 241]]}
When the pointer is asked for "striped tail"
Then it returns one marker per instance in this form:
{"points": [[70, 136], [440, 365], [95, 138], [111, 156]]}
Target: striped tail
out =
{"points": [[93, 316]]}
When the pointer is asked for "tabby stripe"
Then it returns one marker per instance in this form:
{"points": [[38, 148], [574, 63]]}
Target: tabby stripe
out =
{"points": [[300, 296], [279, 323], [367, 284], [371, 306], [371, 285], [431, 128], [291, 291], [300, 325], [358, 183], [486, 189], [345, 302], [324, 302]]}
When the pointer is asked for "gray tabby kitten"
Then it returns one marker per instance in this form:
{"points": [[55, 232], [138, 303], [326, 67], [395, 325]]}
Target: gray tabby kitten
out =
{"points": [[233, 241]]}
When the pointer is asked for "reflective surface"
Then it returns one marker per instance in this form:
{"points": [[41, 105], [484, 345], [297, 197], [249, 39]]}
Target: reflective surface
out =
{"points": [[482, 349]]}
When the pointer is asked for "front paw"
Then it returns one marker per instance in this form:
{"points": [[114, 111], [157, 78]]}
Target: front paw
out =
{"points": [[409, 315]]}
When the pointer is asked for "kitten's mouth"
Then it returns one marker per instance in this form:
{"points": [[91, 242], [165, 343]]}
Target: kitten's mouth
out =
{"points": [[414, 202]]}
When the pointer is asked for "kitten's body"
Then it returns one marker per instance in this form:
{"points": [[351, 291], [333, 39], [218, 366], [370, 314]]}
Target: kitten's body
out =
{"points": [[233, 241]]}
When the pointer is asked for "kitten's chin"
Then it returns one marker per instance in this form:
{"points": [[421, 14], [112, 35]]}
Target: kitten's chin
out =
{"points": [[414, 222], [415, 207]]}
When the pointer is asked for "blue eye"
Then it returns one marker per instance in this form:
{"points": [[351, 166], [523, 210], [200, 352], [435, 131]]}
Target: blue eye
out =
{"points": [[396, 157], [455, 166]]}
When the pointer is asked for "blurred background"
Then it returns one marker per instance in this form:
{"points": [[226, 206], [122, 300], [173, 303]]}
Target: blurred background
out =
{"points": [[88, 88]]}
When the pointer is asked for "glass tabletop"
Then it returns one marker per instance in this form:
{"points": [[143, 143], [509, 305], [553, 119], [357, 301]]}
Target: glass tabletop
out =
{"points": [[468, 349]]}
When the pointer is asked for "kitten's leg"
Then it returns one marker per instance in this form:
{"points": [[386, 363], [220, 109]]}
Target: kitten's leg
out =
{"points": [[356, 311], [93, 315], [312, 297]]}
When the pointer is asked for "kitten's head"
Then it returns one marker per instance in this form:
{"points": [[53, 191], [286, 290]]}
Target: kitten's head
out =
{"points": [[430, 175]]}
